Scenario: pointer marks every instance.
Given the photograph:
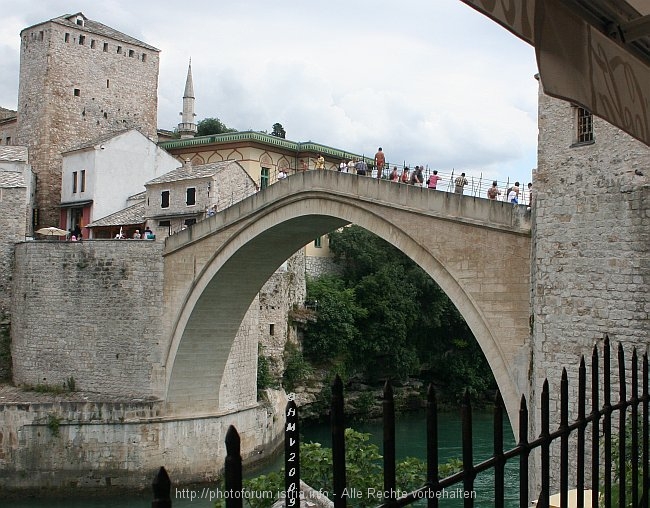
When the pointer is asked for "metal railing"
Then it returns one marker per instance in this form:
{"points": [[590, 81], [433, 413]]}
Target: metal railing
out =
{"points": [[632, 465]]}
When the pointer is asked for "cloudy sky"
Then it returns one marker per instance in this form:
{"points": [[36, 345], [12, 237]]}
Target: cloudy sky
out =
{"points": [[431, 81]]}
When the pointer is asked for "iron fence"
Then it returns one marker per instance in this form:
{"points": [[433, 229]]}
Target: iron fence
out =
{"points": [[613, 461]]}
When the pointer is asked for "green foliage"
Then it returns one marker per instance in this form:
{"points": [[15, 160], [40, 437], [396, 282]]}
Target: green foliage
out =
{"points": [[209, 126], [627, 464], [71, 384], [386, 318], [296, 368], [264, 376], [53, 423], [363, 471], [335, 333], [278, 131]]}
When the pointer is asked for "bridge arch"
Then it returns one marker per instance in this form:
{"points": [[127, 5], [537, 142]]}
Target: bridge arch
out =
{"points": [[233, 256]]}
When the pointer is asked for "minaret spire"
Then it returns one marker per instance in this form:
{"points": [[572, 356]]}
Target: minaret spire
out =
{"points": [[187, 128]]}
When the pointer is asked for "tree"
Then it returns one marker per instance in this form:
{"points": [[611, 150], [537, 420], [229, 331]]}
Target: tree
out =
{"points": [[278, 131], [209, 126], [386, 318]]}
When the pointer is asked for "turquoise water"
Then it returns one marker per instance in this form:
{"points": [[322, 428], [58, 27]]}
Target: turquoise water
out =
{"points": [[410, 441]]}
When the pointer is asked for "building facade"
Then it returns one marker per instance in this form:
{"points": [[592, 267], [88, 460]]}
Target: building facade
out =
{"points": [[98, 177], [79, 79]]}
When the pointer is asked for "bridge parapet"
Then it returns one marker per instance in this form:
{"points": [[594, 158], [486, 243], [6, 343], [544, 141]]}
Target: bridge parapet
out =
{"points": [[472, 210]]}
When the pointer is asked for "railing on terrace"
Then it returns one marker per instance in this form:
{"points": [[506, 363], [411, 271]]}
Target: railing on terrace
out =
{"points": [[626, 439]]}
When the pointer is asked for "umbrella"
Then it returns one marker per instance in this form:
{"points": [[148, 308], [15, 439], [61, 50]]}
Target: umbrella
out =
{"points": [[52, 231]]}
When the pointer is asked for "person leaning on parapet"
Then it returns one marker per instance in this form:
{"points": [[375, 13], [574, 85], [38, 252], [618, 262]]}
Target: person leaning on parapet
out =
{"points": [[459, 184], [320, 162], [513, 194], [380, 162], [493, 191], [405, 175], [394, 175], [531, 197], [282, 174], [433, 180]]}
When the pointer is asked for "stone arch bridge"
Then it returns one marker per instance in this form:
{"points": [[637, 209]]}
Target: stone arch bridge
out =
{"points": [[477, 251]]}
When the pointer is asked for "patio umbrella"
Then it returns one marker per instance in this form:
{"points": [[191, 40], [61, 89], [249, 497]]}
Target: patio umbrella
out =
{"points": [[52, 231]]}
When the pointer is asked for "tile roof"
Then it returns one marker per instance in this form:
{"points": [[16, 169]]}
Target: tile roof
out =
{"points": [[96, 141], [193, 172], [13, 153], [133, 214]]}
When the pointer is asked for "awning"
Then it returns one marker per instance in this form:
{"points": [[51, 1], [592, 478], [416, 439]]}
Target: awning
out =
{"points": [[594, 53], [75, 204]]}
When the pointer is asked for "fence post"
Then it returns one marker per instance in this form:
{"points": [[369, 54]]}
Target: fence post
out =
{"points": [[595, 419], [432, 448], [338, 444], [499, 465], [468, 459], [162, 486], [635, 430], [292, 456], [523, 456], [582, 425], [388, 406], [607, 423], [564, 440], [233, 470], [545, 448]]}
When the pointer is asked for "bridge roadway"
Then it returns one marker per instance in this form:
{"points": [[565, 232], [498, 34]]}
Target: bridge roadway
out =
{"points": [[478, 251]]}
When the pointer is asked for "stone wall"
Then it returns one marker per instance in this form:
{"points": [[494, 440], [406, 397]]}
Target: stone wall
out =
{"points": [[317, 266], [284, 289], [71, 90], [591, 270], [89, 310], [101, 444]]}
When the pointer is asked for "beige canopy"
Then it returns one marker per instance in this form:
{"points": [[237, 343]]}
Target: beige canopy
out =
{"points": [[594, 53]]}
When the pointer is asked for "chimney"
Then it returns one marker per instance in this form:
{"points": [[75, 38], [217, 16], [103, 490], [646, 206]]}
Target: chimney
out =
{"points": [[187, 165]]}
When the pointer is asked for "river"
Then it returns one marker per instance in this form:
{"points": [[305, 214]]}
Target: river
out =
{"points": [[410, 441]]}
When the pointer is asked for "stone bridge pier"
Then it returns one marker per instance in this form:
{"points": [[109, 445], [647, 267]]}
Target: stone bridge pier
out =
{"points": [[477, 251]]}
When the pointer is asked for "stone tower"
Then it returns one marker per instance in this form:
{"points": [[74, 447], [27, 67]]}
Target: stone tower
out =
{"points": [[187, 128], [79, 79]]}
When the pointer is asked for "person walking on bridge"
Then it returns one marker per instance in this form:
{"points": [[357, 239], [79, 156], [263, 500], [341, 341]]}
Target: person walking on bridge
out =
{"points": [[380, 162], [459, 184]]}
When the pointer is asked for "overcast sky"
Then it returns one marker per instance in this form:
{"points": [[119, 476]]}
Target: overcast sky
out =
{"points": [[431, 81]]}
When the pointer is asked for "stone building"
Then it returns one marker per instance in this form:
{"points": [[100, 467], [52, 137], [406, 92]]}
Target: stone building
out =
{"points": [[17, 187], [190, 193], [7, 126], [79, 79], [99, 176], [590, 263]]}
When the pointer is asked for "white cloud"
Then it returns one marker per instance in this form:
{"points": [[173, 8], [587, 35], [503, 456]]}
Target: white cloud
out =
{"points": [[433, 83]]}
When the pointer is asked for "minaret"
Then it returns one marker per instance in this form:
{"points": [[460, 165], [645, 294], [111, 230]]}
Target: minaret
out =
{"points": [[187, 128]]}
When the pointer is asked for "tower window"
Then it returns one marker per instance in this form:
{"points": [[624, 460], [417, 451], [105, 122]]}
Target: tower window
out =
{"points": [[74, 182], [106, 47], [584, 126], [119, 50], [144, 57], [191, 196], [92, 43], [164, 201], [82, 40], [131, 53], [77, 92], [271, 329], [67, 38], [108, 82], [82, 185], [40, 35]]}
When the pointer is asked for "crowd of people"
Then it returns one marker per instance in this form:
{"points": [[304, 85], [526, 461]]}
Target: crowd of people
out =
{"points": [[510, 194]]}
